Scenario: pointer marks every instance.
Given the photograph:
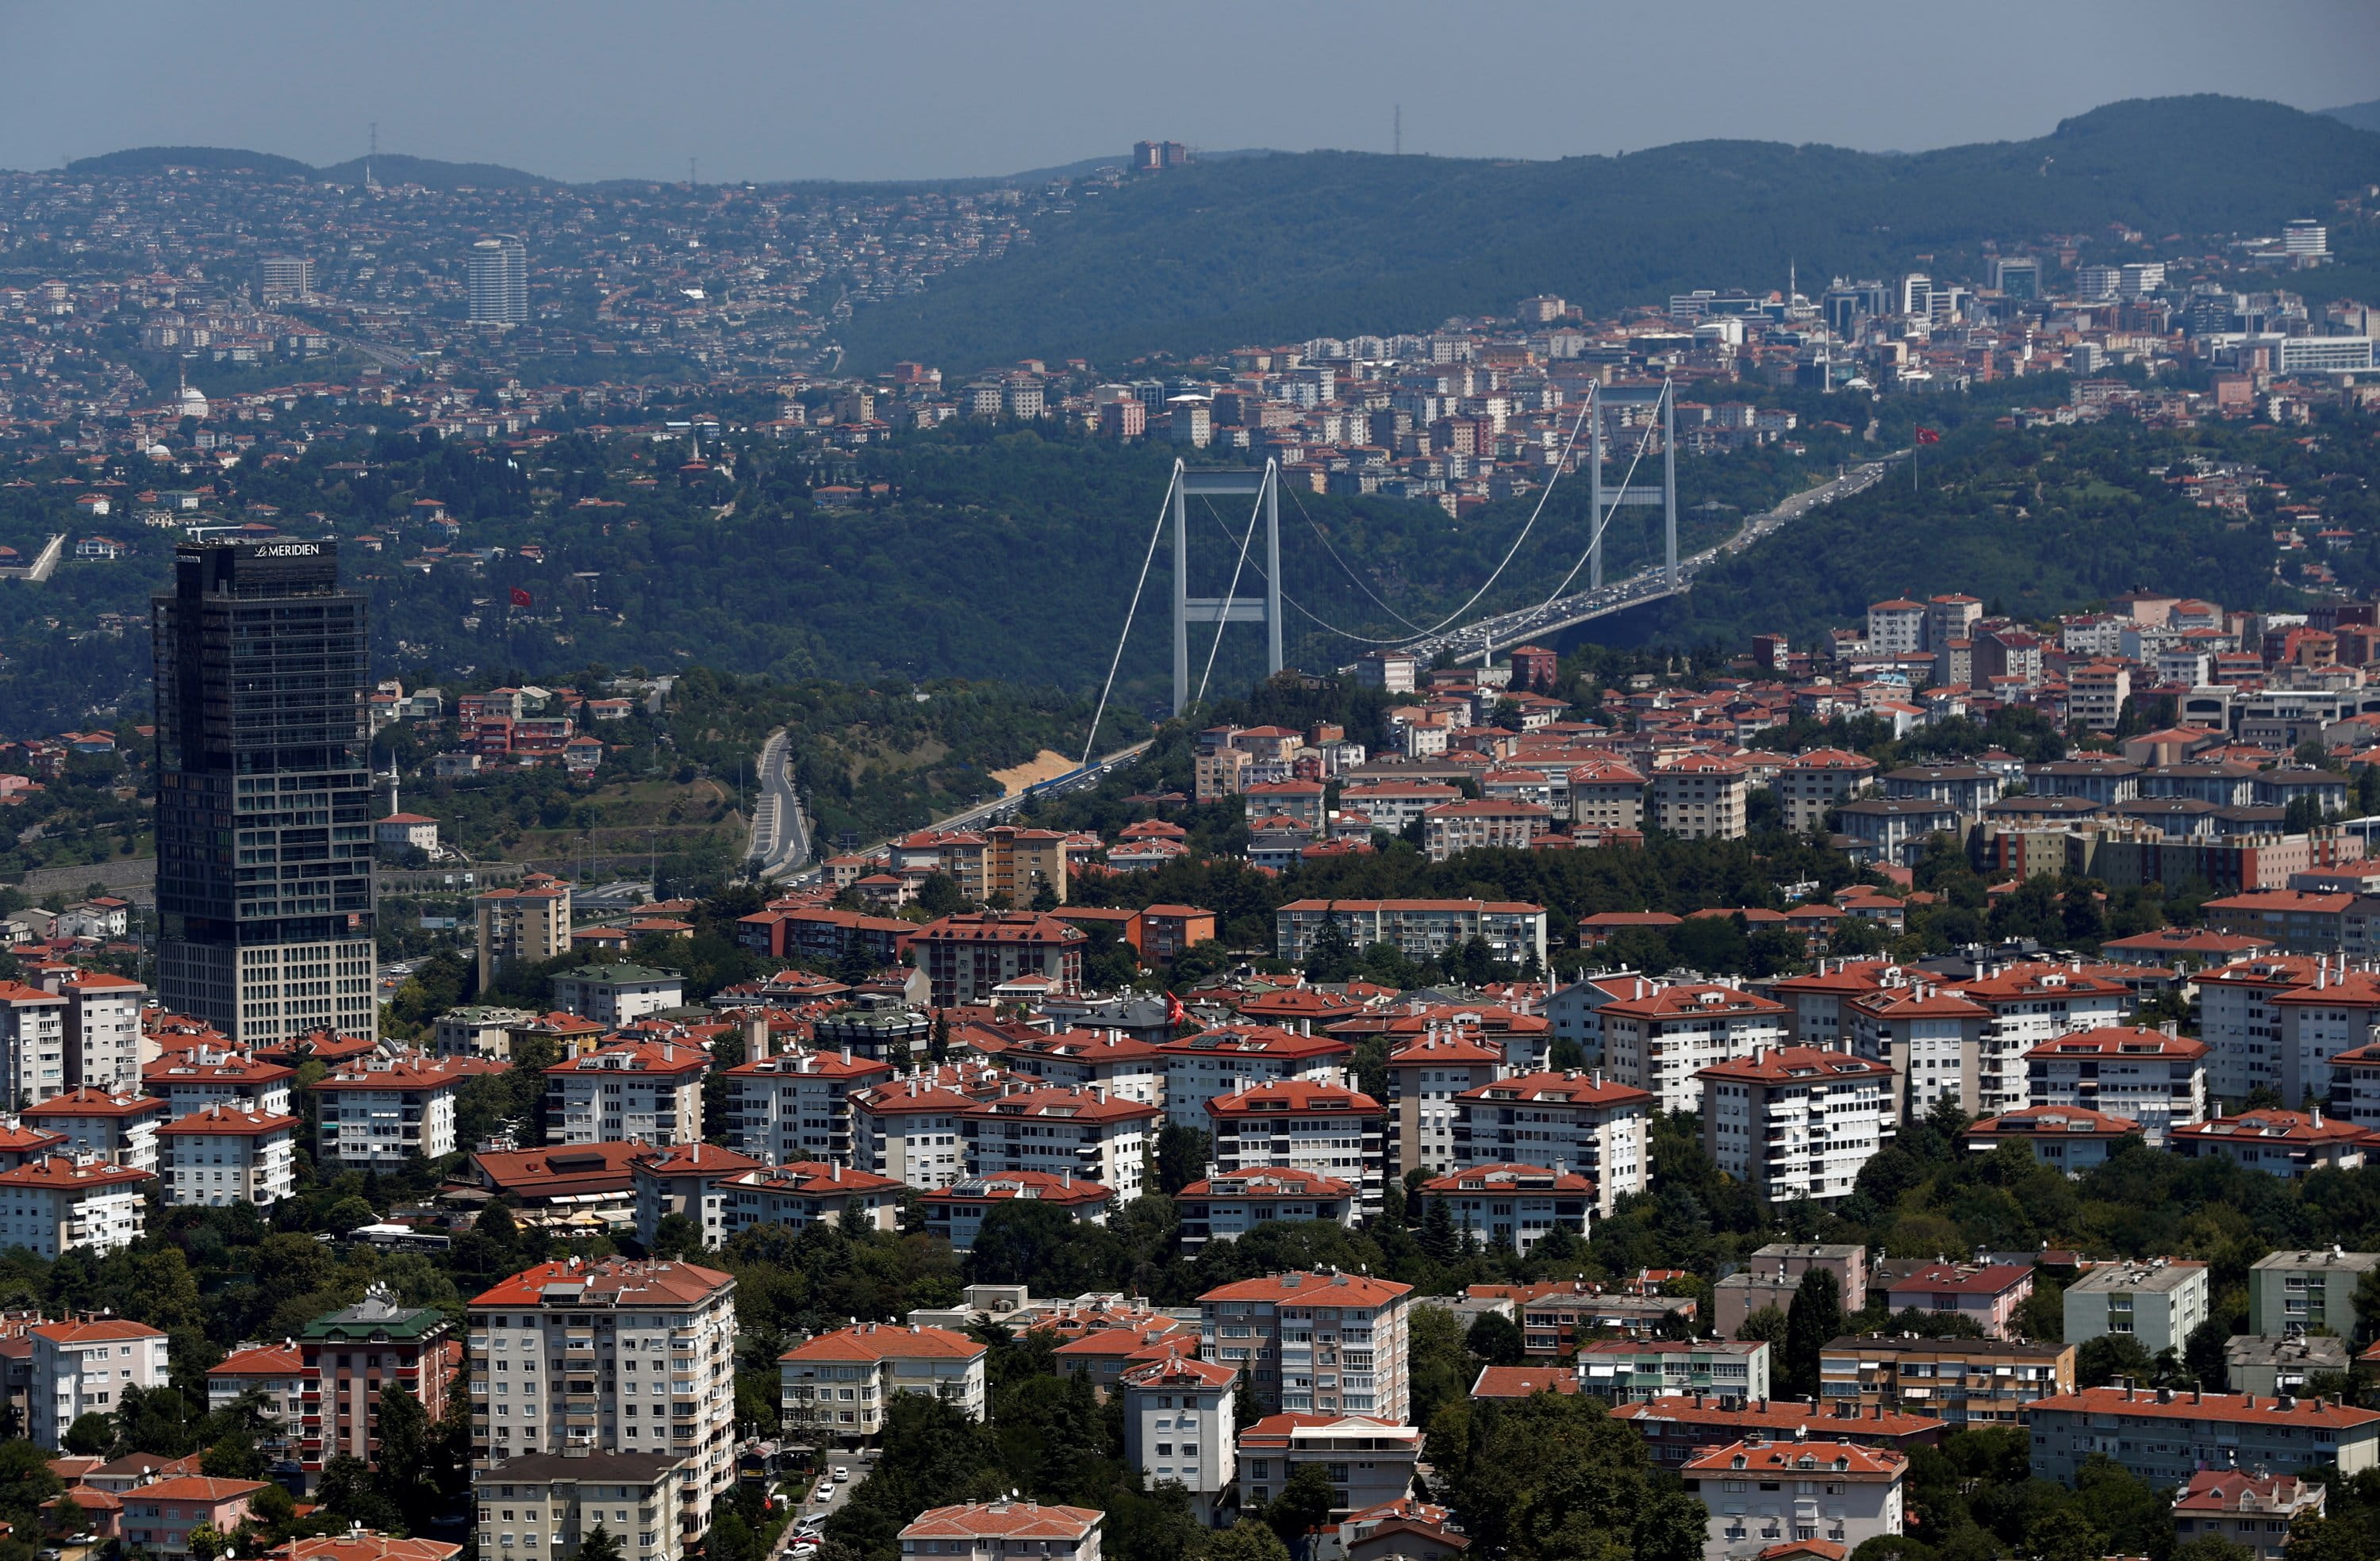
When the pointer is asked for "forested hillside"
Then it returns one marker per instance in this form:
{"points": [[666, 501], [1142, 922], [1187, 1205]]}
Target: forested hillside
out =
{"points": [[1289, 246]]}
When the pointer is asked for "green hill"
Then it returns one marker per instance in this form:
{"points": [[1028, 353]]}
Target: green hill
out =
{"points": [[389, 168], [2363, 115], [1290, 245]]}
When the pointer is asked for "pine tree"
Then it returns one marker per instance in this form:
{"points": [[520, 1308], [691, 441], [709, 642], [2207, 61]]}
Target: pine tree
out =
{"points": [[1439, 1240], [1811, 1322]]}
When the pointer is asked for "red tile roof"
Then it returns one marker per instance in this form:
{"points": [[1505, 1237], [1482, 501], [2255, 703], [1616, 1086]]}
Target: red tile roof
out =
{"points": [[619, 1280], [887, 1341], [1321, 1290]]}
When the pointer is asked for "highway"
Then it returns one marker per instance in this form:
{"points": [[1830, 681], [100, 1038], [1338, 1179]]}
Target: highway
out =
{"points": [[1480, 640], [781, 837]]}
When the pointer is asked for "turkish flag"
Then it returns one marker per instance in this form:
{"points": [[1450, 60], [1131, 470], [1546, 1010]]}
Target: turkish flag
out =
{"points": [[522, 599], [1928, 436]]}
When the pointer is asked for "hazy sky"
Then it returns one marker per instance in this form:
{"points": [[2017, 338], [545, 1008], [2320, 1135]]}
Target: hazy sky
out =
{"points": [[594, 88]]}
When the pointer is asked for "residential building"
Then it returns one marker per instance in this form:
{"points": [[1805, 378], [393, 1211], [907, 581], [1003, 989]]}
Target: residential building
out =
{"points": [[1606, 794], [2166, 1436], [1578, 1120], [632, 1336], [2278, 1143], [1328, 1343], [1488, 824], [1678, 1427], [1986, 1293], [207, 1075], [1767, 1497], [1178, 1416], [354, 1355], [618, 995], [1772, 1277], [158, 1517], [909, 1128], [1624, 1370], [796, 1105], [114, 1126], [1296, 1124], [82, 1366], [553, 1501], [1370, 1458], [33, 1042], [1796, 1122], [103, 1030], [2307, 1291], [62, 1203], [1558, 1315], [2252, 1510], [841, 1385], [2268, 1364], [2147, 1076], [1700, 796], [2240, 1020], [2066, 1138], [280, 1380], [965, 956], [2157, 1303], [478, 1030], [264, 952], [2319, 1022], [1514, 1206], [1224, 1205], [527, 924], [498, 281], [1215, 1062], [803, 1193], [378, 1110], [1426, 1078], [1817, 782], [1936, 1044], [650, 1091], [1660, 1038], [956, 1212], [1964, 1381], [999, 1530], [1069, 1131], [694, 1181], [223, 1154], [1515, 931]]}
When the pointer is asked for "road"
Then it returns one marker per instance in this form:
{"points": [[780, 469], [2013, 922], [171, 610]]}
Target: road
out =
{"points": [[780, 836], [1002, 808], [1479, 641], [829, 1496]]}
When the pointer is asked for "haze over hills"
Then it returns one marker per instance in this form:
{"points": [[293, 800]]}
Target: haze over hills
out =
{"points": [[389, 168], [1289, 246], [2363, 115]]}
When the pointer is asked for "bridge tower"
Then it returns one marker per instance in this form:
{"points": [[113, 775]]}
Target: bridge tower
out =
{"points": [[1665, 401], [1265, 487]]}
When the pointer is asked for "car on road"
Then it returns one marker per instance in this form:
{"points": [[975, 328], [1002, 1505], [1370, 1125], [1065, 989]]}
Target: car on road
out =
{"points": [[841, 1474]]}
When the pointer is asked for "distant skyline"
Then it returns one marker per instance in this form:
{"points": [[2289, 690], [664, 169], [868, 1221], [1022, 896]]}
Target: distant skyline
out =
{"points": [[599, 89]]}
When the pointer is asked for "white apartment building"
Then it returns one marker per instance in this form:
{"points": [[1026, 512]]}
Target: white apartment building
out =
{"points": [[647, 1354], [103, 1030], [1765, 1495], [1936, 1044], [1426, 1078], [1295, 1125], [1660, 1039], [1607, 794], [2158, 1302], [809, 1193], [64, 1202], [1700, 797], [1514, 930], [1796, 1122], [618, 995], [1198, 1067], [120, 1126], [646, 1092], [1327, 1343], [690, 1179], [1817, 781], [1178, 1419], [1063, 1130], [478, 1030], [2240, 1019], [841, 1385], [1514, 1206], [2035, 1002], [2146, 1076], [221, 1156], [83, 1367], [33, 1042], [207, 1075], [1370, 1459], [1224, 1206], [379, 1109], [1575, 1120], [1896, 628], [2334, 1015], [552, 1502], [909, 1128], [1007, 1529], [796, 1105]]}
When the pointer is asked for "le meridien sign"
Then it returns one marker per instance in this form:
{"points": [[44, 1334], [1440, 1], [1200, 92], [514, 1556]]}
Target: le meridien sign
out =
{"points": [[286, 550]]}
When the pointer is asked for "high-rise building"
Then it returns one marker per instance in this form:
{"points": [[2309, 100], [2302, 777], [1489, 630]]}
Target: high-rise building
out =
{"points": [[264, 801], [499, 282], [285, 279]]}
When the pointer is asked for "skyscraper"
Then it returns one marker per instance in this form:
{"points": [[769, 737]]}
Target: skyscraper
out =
{"points": [[264, 800], [500, 281]]}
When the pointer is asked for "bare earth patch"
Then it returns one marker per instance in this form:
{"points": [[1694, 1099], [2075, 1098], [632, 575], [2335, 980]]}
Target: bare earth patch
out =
{"points": [[1047, 765]]}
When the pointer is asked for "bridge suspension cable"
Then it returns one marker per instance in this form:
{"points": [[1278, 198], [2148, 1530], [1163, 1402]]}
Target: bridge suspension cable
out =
{"points": [[1091, 741], [1644, 441], [1230, 592]]}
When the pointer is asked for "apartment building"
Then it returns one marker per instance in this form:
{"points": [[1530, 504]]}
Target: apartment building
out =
{"points": [[841, 1385], [355, 1354], [648, 1092], [1818, 781], [520, 926], [209, 1075], [2156, 1304], [117, 1126], [1960, 1381], [2037, 1002], [610, 1357], [2146, 1076], [1004, 1529], [103, 1030], [1487, 824], [2240, 1020], [1936, 1042], [552, 1502], [1428, 1075], [82, 1366], [2307, 1291], [2278, 1143], [2251, 1510], [2166, 1436], [1660, 1038], [1796, 1122], [2065, 1138], [965, 956], [1324, 1129], [1370, 1458], [33, 1042], [1700, 796], [1216, 1062], [1225, 1205], [618, 995], [2319, 1022], [1773, 1498], [1514, 930], [1514, 1206], [54, 1204], [1679, 1427], [1987, 1294], [1626, 1371], [956, 1212], [1325, 1343], [806, 1192], [1132, 1069], [1575, 1121], [1178, 1416], [379, 1110], [278, 1375], [796, 1105], [909, 1128], [159, 1517], [690, 1179], [1607, 794], [221, 1156], [1059, 1130]]}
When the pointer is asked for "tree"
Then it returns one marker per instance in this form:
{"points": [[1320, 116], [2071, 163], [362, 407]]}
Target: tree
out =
{"points": [[90, 1434], [675, 1236], [731, 1539], [1303, 1506], [1496, 1340], [1439, 1240], [1180, 1157], [1813, 1319], [2203, 1354], [1767, 1324], [2063, 1534], [601, 1544], [1247, 1540], [2102, 1360]]}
